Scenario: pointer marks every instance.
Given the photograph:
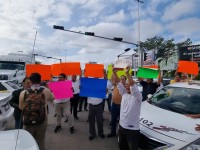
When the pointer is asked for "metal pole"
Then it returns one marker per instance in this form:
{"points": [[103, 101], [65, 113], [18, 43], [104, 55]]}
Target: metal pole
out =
{"points": [[65, 55], [33, 46], [140, 50]]}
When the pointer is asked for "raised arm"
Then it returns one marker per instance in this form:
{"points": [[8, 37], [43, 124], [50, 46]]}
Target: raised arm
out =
{"points": [[115, 78], [159, 78], [129, 77]]}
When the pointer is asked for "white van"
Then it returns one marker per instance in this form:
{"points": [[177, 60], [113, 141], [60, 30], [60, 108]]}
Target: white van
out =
{"points": [[163, 120]]}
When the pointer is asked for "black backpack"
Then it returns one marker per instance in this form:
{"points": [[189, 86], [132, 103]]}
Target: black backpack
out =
{"points": [[34, 112]]}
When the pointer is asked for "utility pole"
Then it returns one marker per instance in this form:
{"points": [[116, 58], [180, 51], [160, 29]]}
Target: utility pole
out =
{"points": [[140, 50], [65, 54], [33, 46]]}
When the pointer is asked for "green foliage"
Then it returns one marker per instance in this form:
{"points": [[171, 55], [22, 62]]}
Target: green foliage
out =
{"points": [[165, 48]]}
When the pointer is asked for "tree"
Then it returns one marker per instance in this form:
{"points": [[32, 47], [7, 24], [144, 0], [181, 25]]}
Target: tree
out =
{"points": [[164, 48]]}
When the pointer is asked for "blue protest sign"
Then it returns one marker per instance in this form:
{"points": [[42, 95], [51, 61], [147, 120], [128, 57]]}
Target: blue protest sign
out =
{"points": [[92, 87]]}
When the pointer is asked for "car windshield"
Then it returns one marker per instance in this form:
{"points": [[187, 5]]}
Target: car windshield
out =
{"points": [[2, 87], [178, 99], [6, 65]]}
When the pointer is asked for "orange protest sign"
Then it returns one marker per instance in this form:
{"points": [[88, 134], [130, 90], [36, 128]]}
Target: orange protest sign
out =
{"points": [[153, 67], [188, 67], [71, 68], [56, 69], [43, 70], [94, 70]]}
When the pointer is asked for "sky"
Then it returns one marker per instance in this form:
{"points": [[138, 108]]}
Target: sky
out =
{"points": [[21, 19]]}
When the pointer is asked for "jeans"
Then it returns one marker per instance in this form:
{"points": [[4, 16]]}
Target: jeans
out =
{"points": [[18, 123], [95, 115], [115, 113], [128, 139]]}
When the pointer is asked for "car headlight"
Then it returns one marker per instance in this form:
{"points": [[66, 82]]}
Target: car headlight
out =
{"points": [[193, 146]]}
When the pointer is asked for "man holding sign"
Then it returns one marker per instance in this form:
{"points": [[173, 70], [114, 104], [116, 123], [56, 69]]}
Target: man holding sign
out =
{"points": [[129, 131], [149, 87], [63, 104]]}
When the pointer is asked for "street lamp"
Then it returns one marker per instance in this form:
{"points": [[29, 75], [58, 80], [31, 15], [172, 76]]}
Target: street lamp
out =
{"points": [[118, 39], [56, 59], [140, 50], [47, 57], [126, 50]]}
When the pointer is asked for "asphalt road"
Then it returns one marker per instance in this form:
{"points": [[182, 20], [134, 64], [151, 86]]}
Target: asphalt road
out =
{"points": [[63, 140]]}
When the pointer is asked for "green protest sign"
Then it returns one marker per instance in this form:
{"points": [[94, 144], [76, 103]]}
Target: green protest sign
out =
{"points": [[147, 73]]}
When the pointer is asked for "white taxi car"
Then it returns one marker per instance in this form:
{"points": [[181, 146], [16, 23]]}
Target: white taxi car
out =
{"points": [[163, 120], [6, 111], [17, 140]]}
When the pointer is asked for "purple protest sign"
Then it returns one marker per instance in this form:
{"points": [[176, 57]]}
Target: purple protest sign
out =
{"points": [[61, 89]]}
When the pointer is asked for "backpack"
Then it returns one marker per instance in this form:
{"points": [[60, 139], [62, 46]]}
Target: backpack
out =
{"points": [[34, 112]]}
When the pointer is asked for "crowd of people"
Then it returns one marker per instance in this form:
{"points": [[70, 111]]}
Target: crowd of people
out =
{"points": [[123, 99]]}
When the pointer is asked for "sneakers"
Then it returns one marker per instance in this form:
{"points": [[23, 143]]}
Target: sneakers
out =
{"points": [[58, 128], [111, 135], [72, 130], [91, 137], [76, 117], [102, 136]]}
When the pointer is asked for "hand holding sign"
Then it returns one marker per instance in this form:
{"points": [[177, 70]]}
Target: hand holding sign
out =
{"points": [[122, 63]]}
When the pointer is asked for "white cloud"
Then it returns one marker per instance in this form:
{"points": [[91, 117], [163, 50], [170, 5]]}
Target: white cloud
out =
{"points": [[117, 17], [185, 27], [179, 9], [148, 29]]}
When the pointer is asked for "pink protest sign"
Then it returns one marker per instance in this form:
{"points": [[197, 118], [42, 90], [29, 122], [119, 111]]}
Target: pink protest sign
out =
{"points": [[61, 89]]}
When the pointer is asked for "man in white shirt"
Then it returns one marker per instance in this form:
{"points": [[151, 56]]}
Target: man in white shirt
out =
{"points": [[129, 131], [63, 104], [75, 99], [108, 94], [95, 113]]}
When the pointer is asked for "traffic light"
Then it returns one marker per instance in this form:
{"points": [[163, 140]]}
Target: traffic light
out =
{"points": [[58, 27], [89, 33], [145, 56], [117, 39]]}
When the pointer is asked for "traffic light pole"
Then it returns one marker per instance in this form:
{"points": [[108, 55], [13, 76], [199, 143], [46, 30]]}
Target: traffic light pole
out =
{"points": [[92, 34]]}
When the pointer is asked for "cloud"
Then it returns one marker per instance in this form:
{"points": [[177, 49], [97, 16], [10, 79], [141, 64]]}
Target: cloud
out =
{"points": [[117, 17], [180, 9], [185, 27], [148, 29]]}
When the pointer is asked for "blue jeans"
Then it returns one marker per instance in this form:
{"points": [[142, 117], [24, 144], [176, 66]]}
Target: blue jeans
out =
{"points": [[115, 113], [18, 123]]}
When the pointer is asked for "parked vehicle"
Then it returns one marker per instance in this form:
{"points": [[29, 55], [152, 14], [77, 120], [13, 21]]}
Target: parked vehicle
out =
{"points": [[17, 140], [6, 111], [13, 66], [163, 120]]}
